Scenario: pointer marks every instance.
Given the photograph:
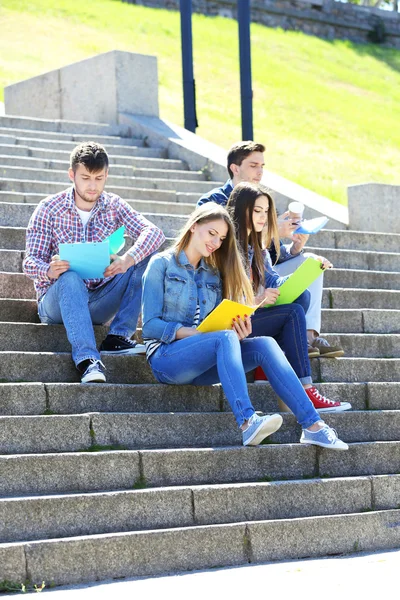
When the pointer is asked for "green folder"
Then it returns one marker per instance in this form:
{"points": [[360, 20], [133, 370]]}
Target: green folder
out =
{"points": [[116, 240], [298, 281]]}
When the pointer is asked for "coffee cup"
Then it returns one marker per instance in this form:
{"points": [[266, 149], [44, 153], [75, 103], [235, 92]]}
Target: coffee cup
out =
{"points": [[296, 210]]}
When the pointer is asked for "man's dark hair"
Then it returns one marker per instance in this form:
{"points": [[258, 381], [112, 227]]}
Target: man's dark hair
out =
{"points": [[240, 151], [91, 155]]}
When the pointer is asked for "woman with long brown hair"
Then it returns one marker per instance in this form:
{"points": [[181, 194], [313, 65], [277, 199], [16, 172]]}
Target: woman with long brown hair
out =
{"points": [[253, 212], [181, 286]]}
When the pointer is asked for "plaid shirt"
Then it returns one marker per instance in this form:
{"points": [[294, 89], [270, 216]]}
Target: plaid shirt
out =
{"points": [[56, 221]]}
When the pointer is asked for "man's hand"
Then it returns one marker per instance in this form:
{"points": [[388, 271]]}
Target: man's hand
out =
{"points": [[57, 267], [242, 327], [286, 227], [268, 296], [326, 264], [299, 241], [120, 264]]}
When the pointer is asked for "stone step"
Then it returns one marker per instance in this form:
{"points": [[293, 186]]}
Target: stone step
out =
{"points": [[362, 279], [69, 515], [47, 189], [71, 472], [11, 260], [55, 367], [356, 240], [366, 320], [23, 153], [360, 259], [74, 398], [29, 123], [342, 298], [130, 554], [20, 135], [130, 170], [34, 337], [113, 149], [60, 178], [72, 433]]}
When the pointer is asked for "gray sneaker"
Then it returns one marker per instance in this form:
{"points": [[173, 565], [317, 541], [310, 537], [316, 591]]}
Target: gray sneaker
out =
{"points": [[325, 437], [260, 427], [325, 349]]}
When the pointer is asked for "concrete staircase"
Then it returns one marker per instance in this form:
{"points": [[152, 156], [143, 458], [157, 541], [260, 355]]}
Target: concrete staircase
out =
{"points": [[134, 478]]}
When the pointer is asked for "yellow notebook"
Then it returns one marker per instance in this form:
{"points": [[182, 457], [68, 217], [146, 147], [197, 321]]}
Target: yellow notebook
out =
{"points": [[221, 317]]}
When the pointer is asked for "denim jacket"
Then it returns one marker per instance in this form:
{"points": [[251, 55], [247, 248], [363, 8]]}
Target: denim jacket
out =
{"points": [[170, 291]]}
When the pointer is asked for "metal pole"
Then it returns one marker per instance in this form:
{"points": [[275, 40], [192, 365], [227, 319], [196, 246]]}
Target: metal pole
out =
{"points": [[246, 93], [189, 90]]}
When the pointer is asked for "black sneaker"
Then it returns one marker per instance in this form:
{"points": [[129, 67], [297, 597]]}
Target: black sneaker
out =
{"points": [[92, 371], [117, 344]]}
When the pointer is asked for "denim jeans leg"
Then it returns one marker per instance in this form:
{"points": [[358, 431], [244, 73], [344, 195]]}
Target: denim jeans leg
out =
{"points": [[66, 302], [265, 351], [119, 298], [203, 360], [287, 324]]}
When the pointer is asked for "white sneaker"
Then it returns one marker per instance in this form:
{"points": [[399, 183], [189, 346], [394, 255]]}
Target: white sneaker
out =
{"points": [[259, 428], [325, 437]]}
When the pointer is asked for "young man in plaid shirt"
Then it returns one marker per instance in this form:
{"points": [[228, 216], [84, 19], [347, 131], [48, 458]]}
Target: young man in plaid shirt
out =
{"points": [[86, 213]]}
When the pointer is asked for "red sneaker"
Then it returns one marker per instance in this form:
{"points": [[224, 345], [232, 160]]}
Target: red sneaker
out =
{"points": [[323, 404], [259, 376]]}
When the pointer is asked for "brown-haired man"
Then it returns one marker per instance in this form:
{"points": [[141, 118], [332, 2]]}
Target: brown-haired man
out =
{"points": [[87, 213]]}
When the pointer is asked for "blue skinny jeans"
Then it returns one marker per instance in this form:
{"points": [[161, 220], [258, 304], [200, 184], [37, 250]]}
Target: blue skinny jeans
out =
{"points": [[220, 357], [287, 325], [69, 301]]}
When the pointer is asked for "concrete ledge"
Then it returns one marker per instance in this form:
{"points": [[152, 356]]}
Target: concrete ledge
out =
{"points": [[374, 207], [12, 563], [129, 83]]}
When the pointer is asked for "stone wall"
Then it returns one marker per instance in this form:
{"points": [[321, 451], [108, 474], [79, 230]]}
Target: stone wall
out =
{"points": [[324, 18]]}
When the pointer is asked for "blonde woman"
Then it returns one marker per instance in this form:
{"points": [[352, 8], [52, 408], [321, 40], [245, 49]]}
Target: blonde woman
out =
{"points": [[181, 286]]}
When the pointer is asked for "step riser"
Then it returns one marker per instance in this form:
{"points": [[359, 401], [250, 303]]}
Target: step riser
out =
{"points": [[362, 279], [81, 515], [29, 124], [77, 560], [69, 433], [21, 136], [356, 240], [354, 298], [367, 261]]}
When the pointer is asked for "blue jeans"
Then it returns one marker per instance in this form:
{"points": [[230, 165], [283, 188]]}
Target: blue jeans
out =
{"points": [[304, 300], [70, 302], [287, 324], [209, 358]]}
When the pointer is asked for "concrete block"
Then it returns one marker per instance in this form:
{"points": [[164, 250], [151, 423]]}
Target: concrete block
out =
{"points": [[34, 337], [130, 84], [383, 396], [67, 398], [359, 259], [342, 321], [366, 458], [12, 563], [19, 310], [227, 465], [16, 286], [35, 97], [362, 200], [319, 536], [22, 399], [362, 279], [360, 369], [280, 500], [149, 553], [44, 434], [367, 346], [89, 514], [382, 321], [359, 298], [166, 430], [11, 261], [12, 238], [51, 367], [68, 472], [386, 491], [360, 240], [365, 426]]}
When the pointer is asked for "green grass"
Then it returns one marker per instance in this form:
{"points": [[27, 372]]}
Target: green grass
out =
{"points": [[328, 112]]}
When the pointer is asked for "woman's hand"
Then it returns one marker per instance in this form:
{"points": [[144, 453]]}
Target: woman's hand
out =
{"points": [[268, 296], [326, 264], [242, 327]]}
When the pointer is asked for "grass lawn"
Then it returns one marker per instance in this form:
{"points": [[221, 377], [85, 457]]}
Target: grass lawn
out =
{"points": [[328, 112]]}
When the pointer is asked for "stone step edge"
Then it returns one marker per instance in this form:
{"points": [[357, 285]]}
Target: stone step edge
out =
{"points": [[104, 556]]}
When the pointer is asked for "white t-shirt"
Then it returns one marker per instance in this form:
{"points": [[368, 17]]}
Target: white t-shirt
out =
{"points": [[84, 215]]}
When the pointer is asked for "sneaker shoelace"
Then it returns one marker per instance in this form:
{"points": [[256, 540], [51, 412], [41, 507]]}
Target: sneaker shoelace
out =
{"points": [[321, 342], [94, 364], [132, 343], [321, 398], [331, 433]]}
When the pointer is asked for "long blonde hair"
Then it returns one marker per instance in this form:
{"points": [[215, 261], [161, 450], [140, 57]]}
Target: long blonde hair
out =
{"points": [[227, 260]]}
